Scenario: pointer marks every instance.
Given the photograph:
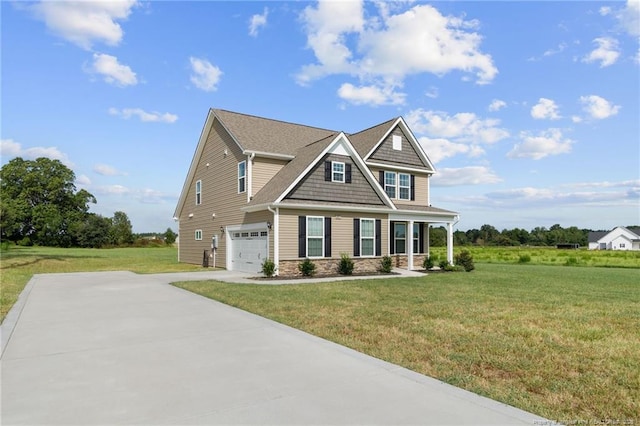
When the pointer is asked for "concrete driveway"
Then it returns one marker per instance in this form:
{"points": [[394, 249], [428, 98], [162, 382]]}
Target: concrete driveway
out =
{"points": [[121, 348]]}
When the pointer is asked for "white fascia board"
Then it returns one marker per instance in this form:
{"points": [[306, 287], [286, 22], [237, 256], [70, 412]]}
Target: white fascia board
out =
{"points": [[273, 155], [424, 217], [403, 168], [412, 140], [251, 209], [341, 137], [336, 208], [395, 123]]}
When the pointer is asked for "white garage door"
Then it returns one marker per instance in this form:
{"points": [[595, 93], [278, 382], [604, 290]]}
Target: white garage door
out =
{"points": [[248, 250]]}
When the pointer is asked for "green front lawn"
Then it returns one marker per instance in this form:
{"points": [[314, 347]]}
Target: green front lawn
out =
{"points": [[561, 342]]}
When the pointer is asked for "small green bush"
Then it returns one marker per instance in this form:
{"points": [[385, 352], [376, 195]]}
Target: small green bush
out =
{"points": [[345, 267], [428, 262], [465, 260], [386, 264], [447, 267], [308, 268], [443, 264], [268, 268], [571, 261], [524, 258]]}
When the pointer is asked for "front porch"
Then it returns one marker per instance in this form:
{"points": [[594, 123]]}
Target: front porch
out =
{"points": [[409, 236]]}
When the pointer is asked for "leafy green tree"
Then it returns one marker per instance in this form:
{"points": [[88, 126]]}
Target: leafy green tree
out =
{"points": [[40, 203], [94, 231], [438, 236], [170, 236], [121, 229]]}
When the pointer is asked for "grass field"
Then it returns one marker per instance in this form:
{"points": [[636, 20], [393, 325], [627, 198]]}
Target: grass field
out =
{"points": [[549, 256], [18, 264], [556, 341]]}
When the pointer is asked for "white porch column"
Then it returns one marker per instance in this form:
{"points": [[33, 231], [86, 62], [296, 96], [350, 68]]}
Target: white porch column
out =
{"points": [[276, 239], [450, 243], [427, 237], [409, 242]]}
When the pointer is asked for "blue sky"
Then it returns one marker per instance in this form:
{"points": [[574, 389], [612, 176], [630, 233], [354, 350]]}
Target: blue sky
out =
{"points": [[529, 110]]}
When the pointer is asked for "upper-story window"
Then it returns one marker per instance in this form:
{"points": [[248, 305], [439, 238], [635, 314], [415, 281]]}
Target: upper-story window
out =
{"points": [[242, 176], [390, 184], [399, 186], [337, 171], [198, 192], [404, 186], [198, 234]]}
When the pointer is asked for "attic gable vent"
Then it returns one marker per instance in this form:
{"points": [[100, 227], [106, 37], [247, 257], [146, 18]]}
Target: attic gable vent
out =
{"points": [[397, 143]]}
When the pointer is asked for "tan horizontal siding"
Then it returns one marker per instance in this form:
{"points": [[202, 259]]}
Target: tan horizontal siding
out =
{"points": [[219, 195], [263, 170], [341, 231], [422, 187]]}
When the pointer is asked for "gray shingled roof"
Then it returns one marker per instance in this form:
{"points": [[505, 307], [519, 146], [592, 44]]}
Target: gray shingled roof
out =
{"points": [[365, 140], [267, 135]]}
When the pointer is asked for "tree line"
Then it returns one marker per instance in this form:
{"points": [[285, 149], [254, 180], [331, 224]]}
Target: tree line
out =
{"points": [[488, 235], [40, 205]]}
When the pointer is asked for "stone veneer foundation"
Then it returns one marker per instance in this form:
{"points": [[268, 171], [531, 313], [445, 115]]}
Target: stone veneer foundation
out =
{"points": [[289, 268]]}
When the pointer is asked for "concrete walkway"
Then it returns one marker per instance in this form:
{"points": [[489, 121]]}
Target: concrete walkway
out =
{"points": [[121, 348]]}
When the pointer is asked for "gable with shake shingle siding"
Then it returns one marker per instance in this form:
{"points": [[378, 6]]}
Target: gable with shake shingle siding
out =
{"points": [[315, 186], [407, 155]]}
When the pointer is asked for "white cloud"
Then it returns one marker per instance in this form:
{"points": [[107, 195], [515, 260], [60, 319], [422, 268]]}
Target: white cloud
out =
{"points": [[205, 76], [423, 40], [545, 109], [443, 136], [556, 197], [85, 22], [258, 21], [497, 105], [326, 27], [475, 175], [83, 180], [432, 93], [463, 126], [536, 147], [597, 107], [143, 115], [106, 170], [607, 52], [112, 71], [629, 17], [438, 148], [604, 10], [371, 95], [386, 48], [12, 149], [111, 190]]}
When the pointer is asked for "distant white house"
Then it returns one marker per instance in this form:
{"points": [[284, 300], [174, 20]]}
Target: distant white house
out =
{"points": [[620, 238]]}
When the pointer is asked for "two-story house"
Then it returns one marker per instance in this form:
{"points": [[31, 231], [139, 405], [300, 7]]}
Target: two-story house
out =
{"points": [[265, 188]]}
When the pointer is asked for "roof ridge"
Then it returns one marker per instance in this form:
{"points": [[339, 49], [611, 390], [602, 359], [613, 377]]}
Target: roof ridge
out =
{"points": [[375, 125], [274, 119]]}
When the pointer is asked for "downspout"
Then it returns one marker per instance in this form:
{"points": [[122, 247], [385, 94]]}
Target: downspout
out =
{"points": [[276, 236], [250, 175]]}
